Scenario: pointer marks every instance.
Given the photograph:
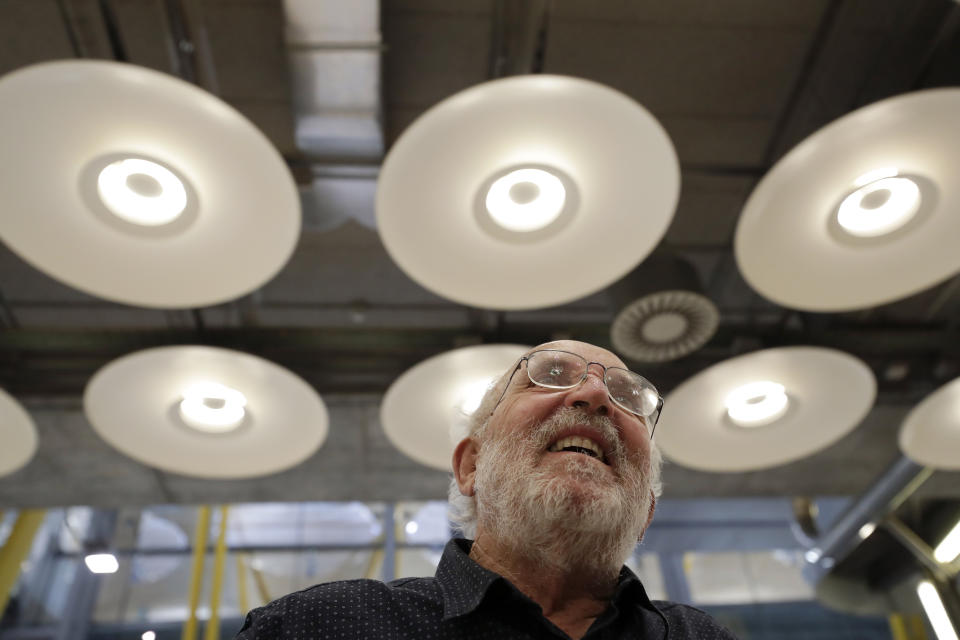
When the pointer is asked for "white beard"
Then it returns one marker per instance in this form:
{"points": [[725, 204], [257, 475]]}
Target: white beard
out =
{"points": [[572, 515]]}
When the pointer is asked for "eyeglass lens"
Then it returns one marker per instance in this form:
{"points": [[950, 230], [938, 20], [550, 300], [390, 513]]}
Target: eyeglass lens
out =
{"points": [[561, 370]]}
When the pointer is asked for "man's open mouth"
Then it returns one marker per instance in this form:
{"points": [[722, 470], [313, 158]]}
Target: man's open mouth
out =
{"points": [[578, 444]]}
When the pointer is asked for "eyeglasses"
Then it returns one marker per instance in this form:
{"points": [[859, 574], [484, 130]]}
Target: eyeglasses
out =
{"points": [[555, 369]]}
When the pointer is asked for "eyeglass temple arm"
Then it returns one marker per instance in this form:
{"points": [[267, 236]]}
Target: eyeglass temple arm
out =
{"points": [[657, 419], [509, 380]]}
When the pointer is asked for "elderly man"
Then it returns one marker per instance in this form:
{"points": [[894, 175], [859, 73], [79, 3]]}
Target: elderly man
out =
{"points": [[555, 484]]}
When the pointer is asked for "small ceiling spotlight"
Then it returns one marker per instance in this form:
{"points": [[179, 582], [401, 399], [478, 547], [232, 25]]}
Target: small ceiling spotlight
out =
{"points": [[471, 394], [862, 212], [880, 206], [206, 412], [212, 407], [765, 409], [425, 412], [478, 197], [102, 562], [139, 169], [141, 191], [757, 404], [525, 199]]}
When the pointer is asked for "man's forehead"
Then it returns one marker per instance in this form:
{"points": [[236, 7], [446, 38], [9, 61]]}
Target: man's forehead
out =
{"points": [[589, 351]]}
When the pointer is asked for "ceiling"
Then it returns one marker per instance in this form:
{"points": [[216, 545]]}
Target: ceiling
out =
{"points": [[736, 83]]}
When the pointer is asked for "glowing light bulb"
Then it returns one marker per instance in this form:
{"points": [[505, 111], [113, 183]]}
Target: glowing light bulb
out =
{"points": [[102, 563], [866, 530], [881, 204], [412, 527], [526, 199], [936, 612], [471, 395], [757, 403], [949, 548], [148, 635], [212, 407], [141, 192]]}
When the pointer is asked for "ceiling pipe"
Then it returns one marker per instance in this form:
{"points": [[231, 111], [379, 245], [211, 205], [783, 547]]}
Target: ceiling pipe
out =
{"points": [[868, 511]]}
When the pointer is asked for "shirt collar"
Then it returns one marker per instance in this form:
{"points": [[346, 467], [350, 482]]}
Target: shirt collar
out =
{"points": [[465, 583]]}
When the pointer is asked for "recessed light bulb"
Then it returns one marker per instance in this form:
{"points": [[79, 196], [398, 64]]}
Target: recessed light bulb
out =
{"points": [[148, 635], [866, 530], [102, 563], [412, 527], [141, 192], [471, 395], [212, 407], [526, 199], [881, 204], [757, 403]]}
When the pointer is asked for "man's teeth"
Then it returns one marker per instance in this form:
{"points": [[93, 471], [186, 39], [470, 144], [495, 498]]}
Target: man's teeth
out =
{"points": [[576, 442]]}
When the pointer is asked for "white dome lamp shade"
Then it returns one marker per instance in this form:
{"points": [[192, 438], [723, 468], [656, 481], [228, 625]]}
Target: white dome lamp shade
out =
{"points": [[17, 433], [426, 410], [765, 409], [206, 412], [930, 434], [861, 213], [166, 186], [486, 198]]}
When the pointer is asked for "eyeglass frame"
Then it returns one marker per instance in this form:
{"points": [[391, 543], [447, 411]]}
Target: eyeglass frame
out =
{"points": [[586, 372]]}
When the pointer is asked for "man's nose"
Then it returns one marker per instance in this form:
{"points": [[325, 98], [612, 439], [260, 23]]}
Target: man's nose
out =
{"points": [[591, 394]]}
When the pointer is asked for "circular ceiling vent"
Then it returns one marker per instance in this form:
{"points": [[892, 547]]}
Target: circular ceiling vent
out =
{"points": [[664, 325]]}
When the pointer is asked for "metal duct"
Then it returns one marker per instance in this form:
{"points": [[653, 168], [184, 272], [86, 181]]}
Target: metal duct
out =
{"points": [[334, 52], [868, 511]]}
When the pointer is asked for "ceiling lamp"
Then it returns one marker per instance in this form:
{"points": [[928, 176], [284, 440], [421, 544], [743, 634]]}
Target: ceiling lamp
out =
{"points": [[487, 198], [17, 433], [426, 410], [861, 213], [137, 187], [661, 312], [765, 409], [930, 435], [206, 412]]}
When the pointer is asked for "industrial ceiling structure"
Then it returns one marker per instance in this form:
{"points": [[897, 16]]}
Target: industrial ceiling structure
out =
{"points": [[735, 83]]}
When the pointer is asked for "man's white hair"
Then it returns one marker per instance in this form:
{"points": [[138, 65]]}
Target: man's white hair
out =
{"points": [[463, 509]]}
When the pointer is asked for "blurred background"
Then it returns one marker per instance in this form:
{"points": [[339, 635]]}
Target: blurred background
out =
{"points": [[784, 538]]}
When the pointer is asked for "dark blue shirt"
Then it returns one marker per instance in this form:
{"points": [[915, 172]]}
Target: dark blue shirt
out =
{"points": [[463, 601]]}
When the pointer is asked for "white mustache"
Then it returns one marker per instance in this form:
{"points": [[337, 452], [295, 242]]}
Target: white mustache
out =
{"points": [[548, 429]]}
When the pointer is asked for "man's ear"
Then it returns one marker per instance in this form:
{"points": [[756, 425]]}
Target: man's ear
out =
{"points": [[465, 465]]}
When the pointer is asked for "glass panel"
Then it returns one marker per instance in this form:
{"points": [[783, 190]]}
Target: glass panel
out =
{"points": [[417, 562], [423, 523], [741, 578]]}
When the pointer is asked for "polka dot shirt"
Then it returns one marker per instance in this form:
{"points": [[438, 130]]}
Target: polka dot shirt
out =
{"points": [[464, 601]]}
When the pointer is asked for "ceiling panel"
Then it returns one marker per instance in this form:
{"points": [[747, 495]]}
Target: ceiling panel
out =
{"points": [[708, 210], [684, 70], [31, 31]]}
